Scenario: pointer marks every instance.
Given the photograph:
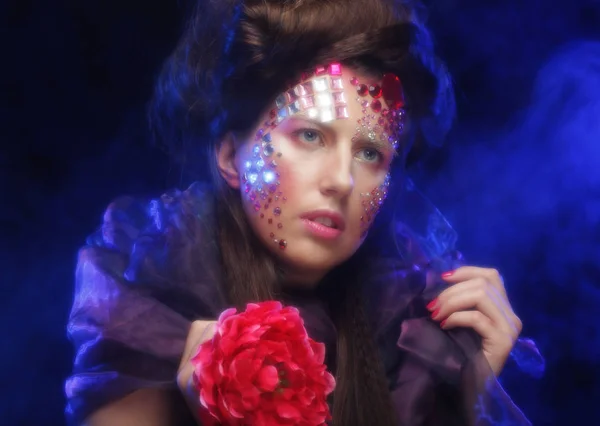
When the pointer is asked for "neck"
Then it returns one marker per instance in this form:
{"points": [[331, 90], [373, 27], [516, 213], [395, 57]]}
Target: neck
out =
{"points": [[303, 280]]}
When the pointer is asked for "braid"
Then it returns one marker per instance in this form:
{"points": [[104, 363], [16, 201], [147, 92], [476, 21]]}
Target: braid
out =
{"points": [[362, 395]]}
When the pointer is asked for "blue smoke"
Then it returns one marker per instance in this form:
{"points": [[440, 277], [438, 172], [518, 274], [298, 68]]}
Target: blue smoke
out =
{"points": [[526, 199]]}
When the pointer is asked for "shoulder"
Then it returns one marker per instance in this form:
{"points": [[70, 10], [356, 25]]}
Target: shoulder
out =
{"points": [[157, 237], [127, 218], [152, 248]]}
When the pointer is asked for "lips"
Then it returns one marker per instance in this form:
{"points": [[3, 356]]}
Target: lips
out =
{"points": [[328, 218]]}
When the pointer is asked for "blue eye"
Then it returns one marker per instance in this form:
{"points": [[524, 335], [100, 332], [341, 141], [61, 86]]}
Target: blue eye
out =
{"points": [[308, 135], [371, 155]]}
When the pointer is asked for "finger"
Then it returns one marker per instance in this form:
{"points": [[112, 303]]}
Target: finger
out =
{"points": [[471, 319], [479, 284], [483, 326], [472, 294], [465, 273], [200, 331]]}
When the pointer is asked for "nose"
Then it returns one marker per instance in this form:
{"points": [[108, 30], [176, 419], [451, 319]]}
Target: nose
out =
{"points": [[336, 174]]}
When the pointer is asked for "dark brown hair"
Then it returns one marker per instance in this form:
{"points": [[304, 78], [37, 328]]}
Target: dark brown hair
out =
{"points": [[232, 60]]}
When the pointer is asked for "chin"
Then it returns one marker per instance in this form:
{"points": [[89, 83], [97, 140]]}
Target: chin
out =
{"points": [[310, 257]]}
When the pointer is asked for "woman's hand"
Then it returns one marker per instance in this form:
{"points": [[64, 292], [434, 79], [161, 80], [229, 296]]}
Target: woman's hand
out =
{"points": [[477, 299], [200, 331]]}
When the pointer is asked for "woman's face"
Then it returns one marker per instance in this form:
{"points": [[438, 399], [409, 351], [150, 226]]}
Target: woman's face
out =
{"points": [[315, 170]]}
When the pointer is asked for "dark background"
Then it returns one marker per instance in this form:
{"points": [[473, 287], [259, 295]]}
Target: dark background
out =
{"points": [[519, 178]]}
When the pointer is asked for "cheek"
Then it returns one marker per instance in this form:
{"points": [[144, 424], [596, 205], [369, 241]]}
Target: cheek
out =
{"points": [[371, 202], [262, 192]]}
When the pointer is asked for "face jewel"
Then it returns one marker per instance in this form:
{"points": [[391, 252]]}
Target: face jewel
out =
{"points": [[392, 91], [320, 84], [303, 89], [281, 115], [323, 100], [267, 138], [276, 211], [376, 105], [312, 112], [282, 244], [336, 83], [280, 101], [307, 102], [354, 81], [375, 91], [373, 202], [290, 96], [252, 177], [326, 115], [341, 112], [335, 69], [320, 70], [339, 98], [268, 150], [362, 90], [269, 176], [294, 108]]}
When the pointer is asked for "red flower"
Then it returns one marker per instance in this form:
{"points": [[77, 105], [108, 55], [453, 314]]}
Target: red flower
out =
{"points": [[261, 368]]}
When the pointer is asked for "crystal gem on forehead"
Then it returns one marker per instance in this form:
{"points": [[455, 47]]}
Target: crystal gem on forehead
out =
{"points": [[375, 91], [307, 102], [326, 115], [320, 84], [341, 112], [335, 69], [294, 108], [280, 101], [339, 98], [290, 96], [324, 100], [392, 91], [337, 83], [281, 115]]}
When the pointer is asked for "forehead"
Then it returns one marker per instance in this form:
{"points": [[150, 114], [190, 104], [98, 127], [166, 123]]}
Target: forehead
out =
{"points": [[345, 99]]}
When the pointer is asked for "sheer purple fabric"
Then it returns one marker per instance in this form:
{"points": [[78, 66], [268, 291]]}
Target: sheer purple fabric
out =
{"points": [[135, 299]]}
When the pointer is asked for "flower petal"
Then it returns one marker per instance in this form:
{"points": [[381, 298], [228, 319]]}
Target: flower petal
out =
{"points": [[267, 378]]}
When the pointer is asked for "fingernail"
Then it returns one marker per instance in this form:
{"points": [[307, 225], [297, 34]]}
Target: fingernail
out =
{"points": [[435, 314], [443, 323], [432, 305], [447, 274]]}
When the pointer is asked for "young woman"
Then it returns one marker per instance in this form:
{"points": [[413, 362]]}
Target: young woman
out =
{"points": [[306, 112]]}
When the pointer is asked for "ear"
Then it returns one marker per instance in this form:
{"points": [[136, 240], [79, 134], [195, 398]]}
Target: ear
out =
{"points": [[226, 161]]}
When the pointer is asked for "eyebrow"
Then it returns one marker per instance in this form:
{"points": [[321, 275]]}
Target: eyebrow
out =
{"points": [[380, 145]]}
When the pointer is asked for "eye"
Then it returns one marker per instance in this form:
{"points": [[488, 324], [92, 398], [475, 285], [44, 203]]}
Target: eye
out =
{"points": [[370, 155], [307, 135]]}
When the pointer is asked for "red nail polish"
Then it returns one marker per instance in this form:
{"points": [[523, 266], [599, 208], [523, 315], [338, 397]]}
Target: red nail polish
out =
{"points": [[447, 274], [443, 323], [435, 314], [431, 304]]}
